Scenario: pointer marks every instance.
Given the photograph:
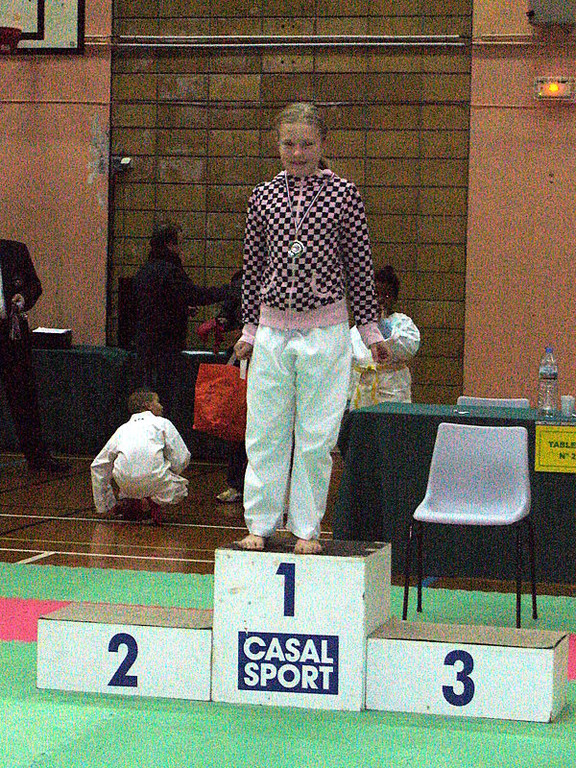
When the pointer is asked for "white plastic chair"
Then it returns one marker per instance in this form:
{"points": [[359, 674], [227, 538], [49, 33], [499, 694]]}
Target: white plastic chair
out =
{"points": [[503, 402], [478, 476]]}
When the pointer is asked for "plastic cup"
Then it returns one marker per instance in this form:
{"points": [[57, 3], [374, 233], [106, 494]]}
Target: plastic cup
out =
{"points": [[567, 406]]}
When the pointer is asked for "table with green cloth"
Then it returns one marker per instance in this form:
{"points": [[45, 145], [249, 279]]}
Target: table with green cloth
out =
{"points": [[387, 450], [83, 392]]}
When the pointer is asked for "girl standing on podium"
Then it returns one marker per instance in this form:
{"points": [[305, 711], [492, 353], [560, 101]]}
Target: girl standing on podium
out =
{"points": [[306, 239]]}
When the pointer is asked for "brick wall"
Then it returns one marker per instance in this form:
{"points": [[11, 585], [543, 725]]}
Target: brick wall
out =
{"points": [[197, 125]]}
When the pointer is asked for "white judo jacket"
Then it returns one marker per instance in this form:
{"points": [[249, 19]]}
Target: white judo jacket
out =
{"points": [[145, 457], [371, 384]]}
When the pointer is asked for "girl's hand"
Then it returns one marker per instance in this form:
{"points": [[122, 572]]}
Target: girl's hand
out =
{"points": [[379, 352], [243, 350]]}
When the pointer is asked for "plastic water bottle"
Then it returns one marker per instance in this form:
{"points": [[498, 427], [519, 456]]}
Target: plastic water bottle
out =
{"points": [[548, 385]]}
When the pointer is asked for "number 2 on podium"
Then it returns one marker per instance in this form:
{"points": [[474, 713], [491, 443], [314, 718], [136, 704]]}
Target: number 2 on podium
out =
{"points": [[288, 570], [120, 678]]}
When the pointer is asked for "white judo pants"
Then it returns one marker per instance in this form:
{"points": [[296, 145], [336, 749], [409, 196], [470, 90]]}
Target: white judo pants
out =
{"points": [[296, 393], [168, 488]]}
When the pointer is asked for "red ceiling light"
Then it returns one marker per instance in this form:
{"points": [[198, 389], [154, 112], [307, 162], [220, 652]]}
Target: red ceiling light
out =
{"points": [[554, 89]]}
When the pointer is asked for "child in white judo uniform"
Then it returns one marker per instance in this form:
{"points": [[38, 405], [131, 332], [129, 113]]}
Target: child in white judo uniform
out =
{"points": [[145, 457], [389, 380]]}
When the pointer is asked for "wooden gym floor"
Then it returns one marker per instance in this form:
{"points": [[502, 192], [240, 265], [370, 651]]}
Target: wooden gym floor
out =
{"points": [[50, 520]]}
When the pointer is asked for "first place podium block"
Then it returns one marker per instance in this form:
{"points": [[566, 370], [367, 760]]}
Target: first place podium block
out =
{"points": [[129, 649], [291, 629]]}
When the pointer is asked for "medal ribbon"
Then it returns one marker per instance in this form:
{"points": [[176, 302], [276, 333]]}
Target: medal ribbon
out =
{"points": [[298, 222]]}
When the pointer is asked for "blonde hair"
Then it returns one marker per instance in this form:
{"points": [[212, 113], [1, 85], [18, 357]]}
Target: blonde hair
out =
{"points": [[141, 400], [302, 112]]}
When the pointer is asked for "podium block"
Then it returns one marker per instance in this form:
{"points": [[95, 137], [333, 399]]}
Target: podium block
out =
{"points": [[515, 674], [131, 650], [291, 629]]}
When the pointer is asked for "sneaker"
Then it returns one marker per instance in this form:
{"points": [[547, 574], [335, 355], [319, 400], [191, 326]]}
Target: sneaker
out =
{"points": [[128, 509], [155, 512], [230, 496]]}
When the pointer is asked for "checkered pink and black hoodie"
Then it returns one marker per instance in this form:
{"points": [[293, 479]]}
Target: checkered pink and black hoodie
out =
{"points": [[308, 291]]}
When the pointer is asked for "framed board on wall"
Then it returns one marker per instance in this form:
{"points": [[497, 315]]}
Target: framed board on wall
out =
{"points": [[48, 26]]}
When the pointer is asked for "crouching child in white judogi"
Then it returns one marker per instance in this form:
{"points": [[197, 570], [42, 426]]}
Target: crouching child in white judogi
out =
{"points": [[145, 457]]}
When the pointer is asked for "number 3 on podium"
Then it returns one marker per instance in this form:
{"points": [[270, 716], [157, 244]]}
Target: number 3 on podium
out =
{"points": [[463, 677], [288, 570]]}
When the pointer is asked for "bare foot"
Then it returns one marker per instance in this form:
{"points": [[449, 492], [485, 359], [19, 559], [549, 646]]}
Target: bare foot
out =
{"points": [[252, 542], [307, 547]]}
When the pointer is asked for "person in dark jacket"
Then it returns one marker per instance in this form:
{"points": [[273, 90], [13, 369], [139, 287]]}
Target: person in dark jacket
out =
{"points": [[229, 319], [20, 289], [164, 296]]}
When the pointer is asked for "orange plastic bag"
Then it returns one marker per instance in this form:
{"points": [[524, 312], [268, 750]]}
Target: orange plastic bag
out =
{"points": [[220, 401]]}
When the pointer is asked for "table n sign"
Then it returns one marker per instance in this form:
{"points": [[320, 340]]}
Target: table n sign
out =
{"points": [[555, 448]]}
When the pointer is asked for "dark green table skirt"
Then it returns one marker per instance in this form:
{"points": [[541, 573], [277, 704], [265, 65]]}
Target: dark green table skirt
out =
{"points": [[83, 393], [387, 452]]}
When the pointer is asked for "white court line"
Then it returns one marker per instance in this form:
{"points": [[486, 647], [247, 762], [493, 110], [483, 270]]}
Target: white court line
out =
{"points": [[41, 556], [53, 542], [48, 518], [117, 557]]}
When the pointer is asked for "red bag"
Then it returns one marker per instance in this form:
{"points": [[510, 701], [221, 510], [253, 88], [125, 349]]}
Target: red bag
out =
{"points": [[220, 401]]}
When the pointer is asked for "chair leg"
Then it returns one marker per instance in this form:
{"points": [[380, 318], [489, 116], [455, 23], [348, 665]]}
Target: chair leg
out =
{"points": [[407, 570], [532, 551], [419, 528], [518, 576]]}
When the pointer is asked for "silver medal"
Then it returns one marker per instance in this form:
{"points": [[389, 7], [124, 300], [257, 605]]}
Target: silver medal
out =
{"points": [[296, 248]]}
